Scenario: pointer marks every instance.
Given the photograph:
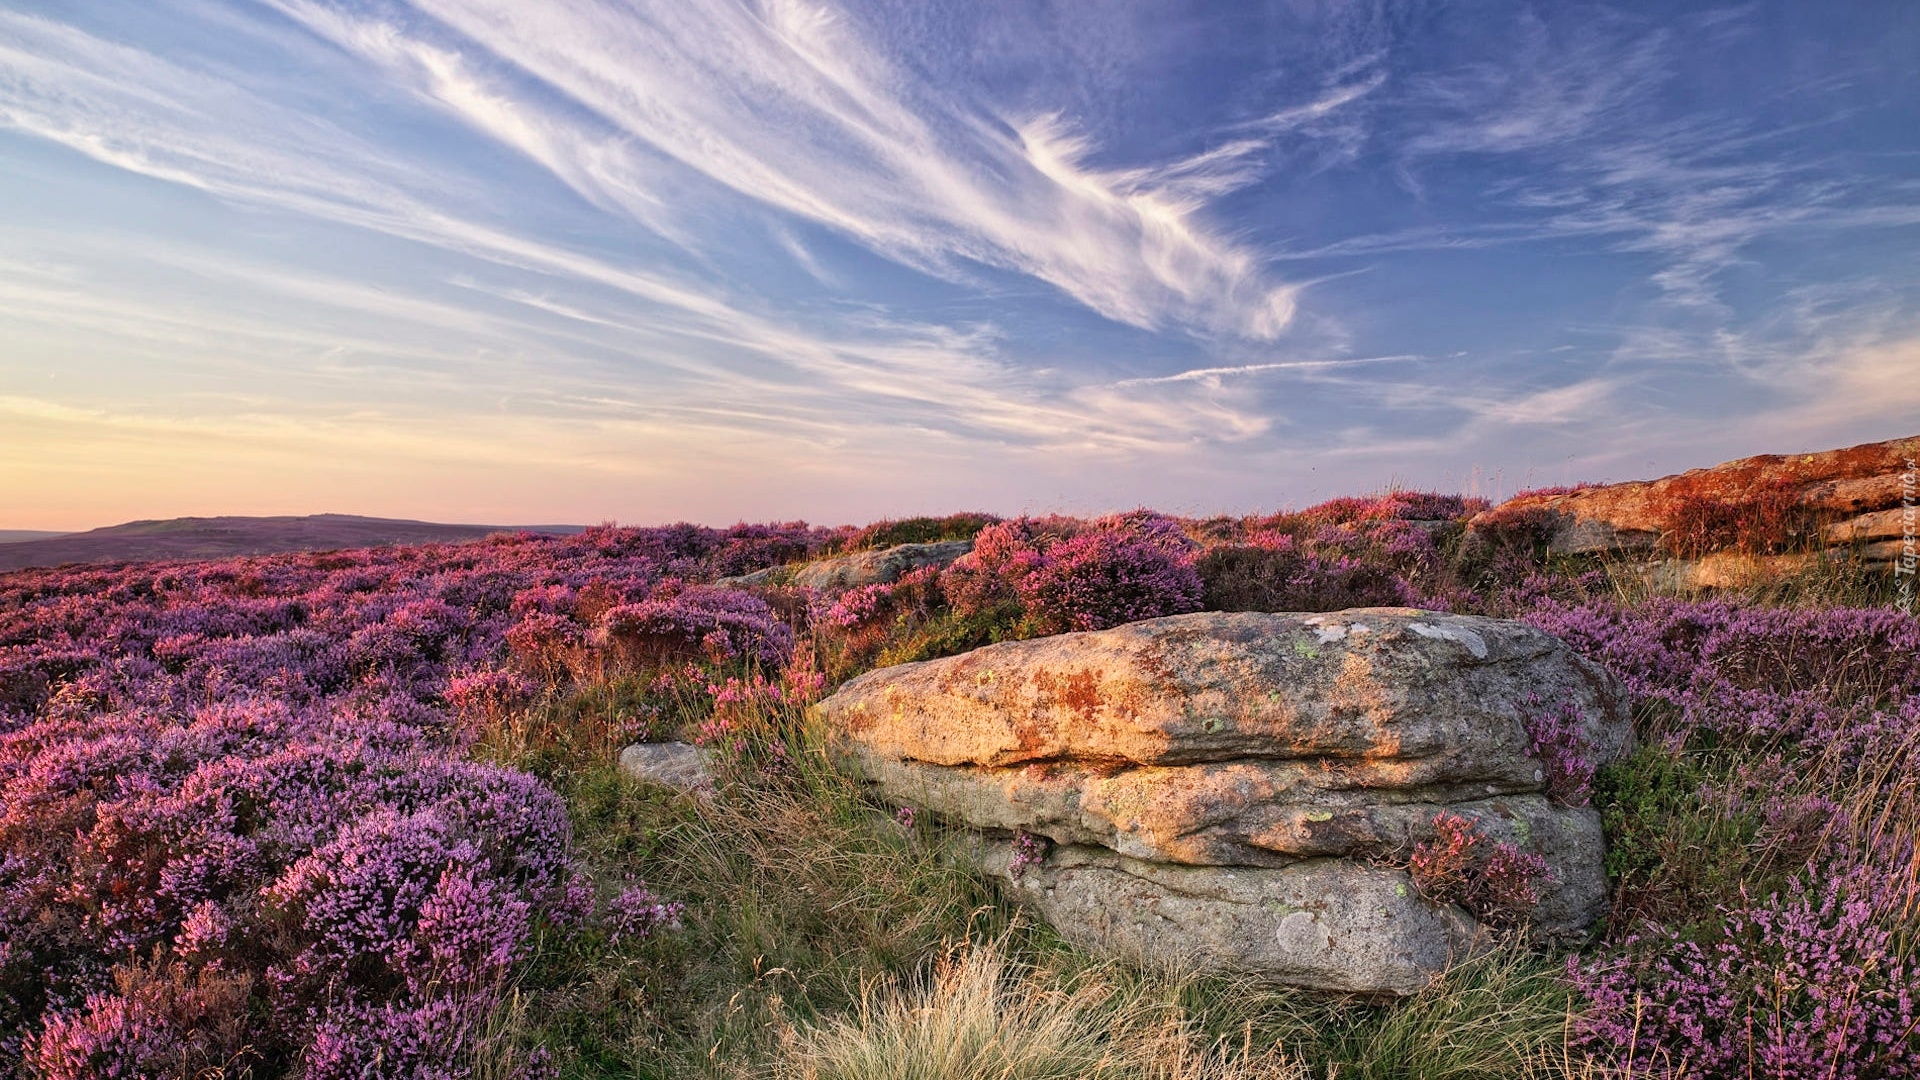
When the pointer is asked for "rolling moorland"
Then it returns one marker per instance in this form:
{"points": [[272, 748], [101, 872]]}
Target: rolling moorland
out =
{"points": [[225, 537], [359, 813]]}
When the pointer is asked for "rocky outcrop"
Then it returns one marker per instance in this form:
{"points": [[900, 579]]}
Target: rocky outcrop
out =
{"points": [[1245, 788], [1843, 500], [860, 568]]}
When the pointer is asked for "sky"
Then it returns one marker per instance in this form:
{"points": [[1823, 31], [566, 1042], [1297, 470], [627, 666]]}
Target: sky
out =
{"points": [[517, 261]]}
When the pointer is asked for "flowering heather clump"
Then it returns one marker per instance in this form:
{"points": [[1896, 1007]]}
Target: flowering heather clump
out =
{"points": [[1028, 851], [1496, 881], [153, 1023], [488, 694], [746, 548], [700, 620], [857, 607], [752, 720], [636, 913], [1277, 573], [1394, 506], [232, 812], [1838, 678], [1557, 738], [1818, 983], [1061, 574]]}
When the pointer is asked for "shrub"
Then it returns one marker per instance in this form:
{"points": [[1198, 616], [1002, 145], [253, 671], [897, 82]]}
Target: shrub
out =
{"points": [[1061, 574], [1104, 578], [155, 1022], [1497, 882], [1277, 575], [1557, 738], [1393, 506], [235, 829], [1816, 983], [699, 621], [919, 530]]}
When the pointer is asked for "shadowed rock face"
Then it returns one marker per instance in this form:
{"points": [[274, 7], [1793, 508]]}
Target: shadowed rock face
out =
{"points": [[1848, 498], [1204, 768]]}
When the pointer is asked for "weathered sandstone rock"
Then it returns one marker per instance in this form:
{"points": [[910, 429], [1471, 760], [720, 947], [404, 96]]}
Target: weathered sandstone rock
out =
{"points": [[1239, 755], [1330, 924], [1854, 494]]}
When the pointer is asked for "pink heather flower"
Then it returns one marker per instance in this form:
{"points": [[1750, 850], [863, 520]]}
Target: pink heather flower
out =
{"points": [[1557, 738], [1028, 851], [1494, 880], [636, 914], [203, 932]]}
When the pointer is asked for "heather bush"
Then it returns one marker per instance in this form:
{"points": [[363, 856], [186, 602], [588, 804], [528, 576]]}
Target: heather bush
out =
{"points": [[1388, 506], [236, 827], [1817, 982], [698, 621], [1557, 738], [1496, 881], [1278, 575], [1060, 574]]}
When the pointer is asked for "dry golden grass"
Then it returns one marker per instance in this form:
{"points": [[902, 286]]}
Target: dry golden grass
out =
{"points": [[975, 1014]]}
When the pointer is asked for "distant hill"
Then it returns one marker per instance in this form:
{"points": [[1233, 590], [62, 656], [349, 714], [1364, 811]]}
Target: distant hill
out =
{"points": [[14, 536], [222, 537]]}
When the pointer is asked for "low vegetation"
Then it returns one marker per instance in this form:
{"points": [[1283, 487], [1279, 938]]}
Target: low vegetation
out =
{"points": [[358, 815]]}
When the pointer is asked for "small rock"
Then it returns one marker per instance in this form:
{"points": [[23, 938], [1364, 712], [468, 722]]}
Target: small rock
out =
{"points": [[677, 765], [877, 567]]}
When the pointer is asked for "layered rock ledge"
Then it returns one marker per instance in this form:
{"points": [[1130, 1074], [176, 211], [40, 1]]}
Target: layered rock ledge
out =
{"points": [[1848, 501], [1243, 790]]}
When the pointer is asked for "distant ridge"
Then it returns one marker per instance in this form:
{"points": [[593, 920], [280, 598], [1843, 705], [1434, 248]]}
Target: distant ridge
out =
{"points": [[15, 536], [223, 537]]}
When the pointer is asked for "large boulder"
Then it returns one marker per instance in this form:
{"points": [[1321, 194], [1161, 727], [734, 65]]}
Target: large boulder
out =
{"points": [[1846, 499], [1200, 777]]}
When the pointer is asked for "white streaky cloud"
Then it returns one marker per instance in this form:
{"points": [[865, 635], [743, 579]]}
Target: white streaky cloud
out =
{"points": [[1213, 375], [597, 165], [1579, 402], [788, 104], [215, 139]]}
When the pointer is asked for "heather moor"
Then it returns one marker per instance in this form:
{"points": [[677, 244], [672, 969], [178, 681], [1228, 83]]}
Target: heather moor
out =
{"points": [[1230, 579], [362, 813]]}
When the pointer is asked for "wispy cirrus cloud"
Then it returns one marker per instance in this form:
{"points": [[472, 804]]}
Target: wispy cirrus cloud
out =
{"points": [[790, 105]]}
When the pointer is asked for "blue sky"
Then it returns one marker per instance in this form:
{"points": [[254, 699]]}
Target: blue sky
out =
{"points": [[576, 260]]}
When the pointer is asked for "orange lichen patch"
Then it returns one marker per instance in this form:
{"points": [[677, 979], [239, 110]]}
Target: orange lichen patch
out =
{"points": [[1077, 691]]}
